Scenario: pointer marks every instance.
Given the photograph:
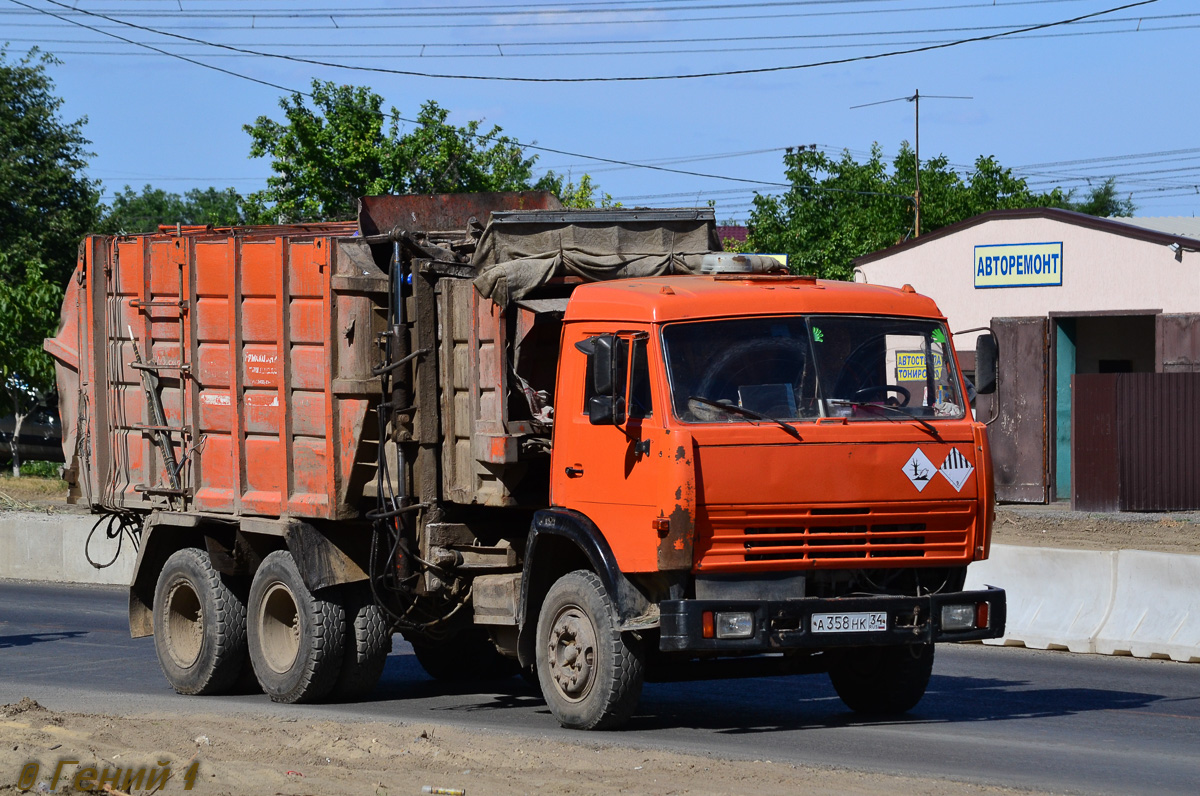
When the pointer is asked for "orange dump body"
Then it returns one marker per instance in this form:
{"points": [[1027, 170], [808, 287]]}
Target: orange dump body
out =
{"points": [[729, 497], [258, 345]]}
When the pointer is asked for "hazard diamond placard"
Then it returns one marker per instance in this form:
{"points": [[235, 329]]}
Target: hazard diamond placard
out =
{"points": [[919, 469], [957, 469]]}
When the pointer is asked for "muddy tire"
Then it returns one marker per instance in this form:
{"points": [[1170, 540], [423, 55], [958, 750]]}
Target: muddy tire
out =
{"points": [[296, 638], [590, 672], [368, 642], [882, 681], [467, 656], [199, 625]]}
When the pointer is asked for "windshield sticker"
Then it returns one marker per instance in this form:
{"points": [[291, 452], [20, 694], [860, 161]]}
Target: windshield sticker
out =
{"points": [[919, 469], [818, 335], [938, 336], [957, 469]]}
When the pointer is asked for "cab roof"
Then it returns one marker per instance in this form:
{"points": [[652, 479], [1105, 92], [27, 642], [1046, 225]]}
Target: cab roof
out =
{"points": [[675, 298]]}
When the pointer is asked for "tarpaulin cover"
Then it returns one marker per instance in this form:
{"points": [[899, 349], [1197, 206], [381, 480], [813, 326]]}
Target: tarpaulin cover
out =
{"points": [[514, 258]]}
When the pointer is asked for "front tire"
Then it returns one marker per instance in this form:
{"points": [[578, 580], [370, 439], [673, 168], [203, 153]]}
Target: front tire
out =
{"points": [[883, 681], [296, 638], [199, 625], [590, 672]]}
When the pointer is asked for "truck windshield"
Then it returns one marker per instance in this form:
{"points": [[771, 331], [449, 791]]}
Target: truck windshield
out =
{"points": [[798, 368]]}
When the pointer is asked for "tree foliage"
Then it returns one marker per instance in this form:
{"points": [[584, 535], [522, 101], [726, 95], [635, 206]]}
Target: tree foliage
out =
{"points": [[584, 195], [1102, 200], [46, 201], [29, 306], [838, 209], [132, 212], [345, 146]]}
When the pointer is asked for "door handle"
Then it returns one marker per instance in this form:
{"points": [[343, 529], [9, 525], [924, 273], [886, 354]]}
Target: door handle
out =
{"points": [[574, 472]]}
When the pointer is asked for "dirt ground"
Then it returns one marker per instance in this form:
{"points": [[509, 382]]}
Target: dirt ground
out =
{"points": [[1058, 526], [252, 755]]}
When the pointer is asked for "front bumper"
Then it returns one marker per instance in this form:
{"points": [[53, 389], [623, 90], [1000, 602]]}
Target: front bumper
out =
{"points": [[787, 624]]}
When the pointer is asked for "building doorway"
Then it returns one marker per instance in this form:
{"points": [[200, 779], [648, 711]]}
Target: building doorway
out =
{"points": [[1097, 343]]}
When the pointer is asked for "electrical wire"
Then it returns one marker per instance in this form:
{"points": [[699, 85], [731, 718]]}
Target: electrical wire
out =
{"points": [[594, 79]]}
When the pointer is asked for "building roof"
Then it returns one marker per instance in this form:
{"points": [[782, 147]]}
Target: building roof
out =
{"points": [[1124, 227], [1172, 225]]}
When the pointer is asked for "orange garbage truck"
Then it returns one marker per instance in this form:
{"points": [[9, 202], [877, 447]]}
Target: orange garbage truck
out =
{"points": [[585, 446]]}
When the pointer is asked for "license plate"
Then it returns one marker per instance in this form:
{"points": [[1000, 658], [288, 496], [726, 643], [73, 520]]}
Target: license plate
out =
{"points": [[865, 622]]}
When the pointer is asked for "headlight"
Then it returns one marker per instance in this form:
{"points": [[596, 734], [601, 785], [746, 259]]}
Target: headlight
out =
{"points": [[735, 624], [958, 617]]}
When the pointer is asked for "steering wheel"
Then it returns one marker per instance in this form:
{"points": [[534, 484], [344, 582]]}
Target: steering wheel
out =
{"points": [[884, 389]]}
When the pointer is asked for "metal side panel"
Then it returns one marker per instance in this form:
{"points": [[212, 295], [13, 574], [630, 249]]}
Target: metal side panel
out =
{"points": [[1019, 436]]}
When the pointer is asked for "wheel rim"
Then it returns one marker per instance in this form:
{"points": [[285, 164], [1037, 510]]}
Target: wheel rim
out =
{"points": [[572, 653], [279, 627], [185, 624]]}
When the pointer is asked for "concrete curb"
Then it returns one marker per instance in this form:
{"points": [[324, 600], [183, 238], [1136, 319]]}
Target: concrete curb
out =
{"points": [[1057, 599], [50, 547], [1129, 602], [1156, 608]]}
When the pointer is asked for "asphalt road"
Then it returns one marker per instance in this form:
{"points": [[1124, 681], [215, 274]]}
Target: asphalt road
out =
{"points": [[1015, 717]]}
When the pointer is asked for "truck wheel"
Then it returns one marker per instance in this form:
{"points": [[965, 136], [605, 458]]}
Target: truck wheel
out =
{"points": [[468, 655], [882, 680], [589, 671], [199, 625], [368, 642], [296, 638]]}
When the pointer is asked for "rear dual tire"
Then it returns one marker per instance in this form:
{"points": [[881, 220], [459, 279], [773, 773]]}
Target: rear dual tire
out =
{"points": [[199, 625]]}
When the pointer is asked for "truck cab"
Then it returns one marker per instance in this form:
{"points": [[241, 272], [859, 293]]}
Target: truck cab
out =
{"points": [[778, 464]]}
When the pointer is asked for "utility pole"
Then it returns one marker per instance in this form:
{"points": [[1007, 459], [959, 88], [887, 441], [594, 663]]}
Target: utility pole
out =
{"points": [[916, 100]]}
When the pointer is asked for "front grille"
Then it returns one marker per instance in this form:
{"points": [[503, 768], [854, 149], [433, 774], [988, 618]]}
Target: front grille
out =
{"points": [[826, 537]]}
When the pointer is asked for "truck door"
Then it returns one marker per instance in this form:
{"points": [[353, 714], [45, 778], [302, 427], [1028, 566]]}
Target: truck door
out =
{"points": [[611, 472]]}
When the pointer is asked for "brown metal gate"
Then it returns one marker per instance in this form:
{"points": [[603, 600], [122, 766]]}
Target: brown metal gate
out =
{"points": [[1019, 434], [1136, 445]]}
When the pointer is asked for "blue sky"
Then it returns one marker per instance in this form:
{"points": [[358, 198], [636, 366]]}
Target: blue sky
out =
{"points": [[1109, 95]]}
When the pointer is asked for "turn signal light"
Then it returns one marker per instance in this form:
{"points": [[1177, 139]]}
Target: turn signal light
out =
{"points": [[981, 615], [707, 625]]}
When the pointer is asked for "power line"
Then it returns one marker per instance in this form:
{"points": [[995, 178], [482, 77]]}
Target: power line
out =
{"points": [[574, 22], [635, 78]]}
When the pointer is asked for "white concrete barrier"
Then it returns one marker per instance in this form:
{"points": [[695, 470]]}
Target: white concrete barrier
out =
{"points": [[1156, 607], [1057, 599], [50, 547]]}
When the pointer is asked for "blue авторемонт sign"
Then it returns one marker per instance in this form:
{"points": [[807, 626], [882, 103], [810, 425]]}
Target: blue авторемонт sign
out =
{"points": [[1019, 265]]}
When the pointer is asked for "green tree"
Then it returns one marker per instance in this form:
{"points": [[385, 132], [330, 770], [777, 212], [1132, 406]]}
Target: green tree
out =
{"points": [[583, 195], [838, 209], [29, 307], [345, 146], [132, 212], [1102, 200], [46, 201]]}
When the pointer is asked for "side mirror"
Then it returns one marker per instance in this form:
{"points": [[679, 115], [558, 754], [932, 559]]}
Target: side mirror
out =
{"points": [[987, 363], [608, 365], [606, 410]]}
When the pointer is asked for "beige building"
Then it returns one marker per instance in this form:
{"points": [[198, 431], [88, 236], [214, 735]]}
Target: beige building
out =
{"points": [[1067, 295]]}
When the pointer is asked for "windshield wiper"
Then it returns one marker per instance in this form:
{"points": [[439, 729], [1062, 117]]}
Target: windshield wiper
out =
{"points": [[928, 426], [737, 410]]}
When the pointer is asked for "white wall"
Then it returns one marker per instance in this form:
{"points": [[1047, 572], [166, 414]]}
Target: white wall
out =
{"points": [[1101, 272]]}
